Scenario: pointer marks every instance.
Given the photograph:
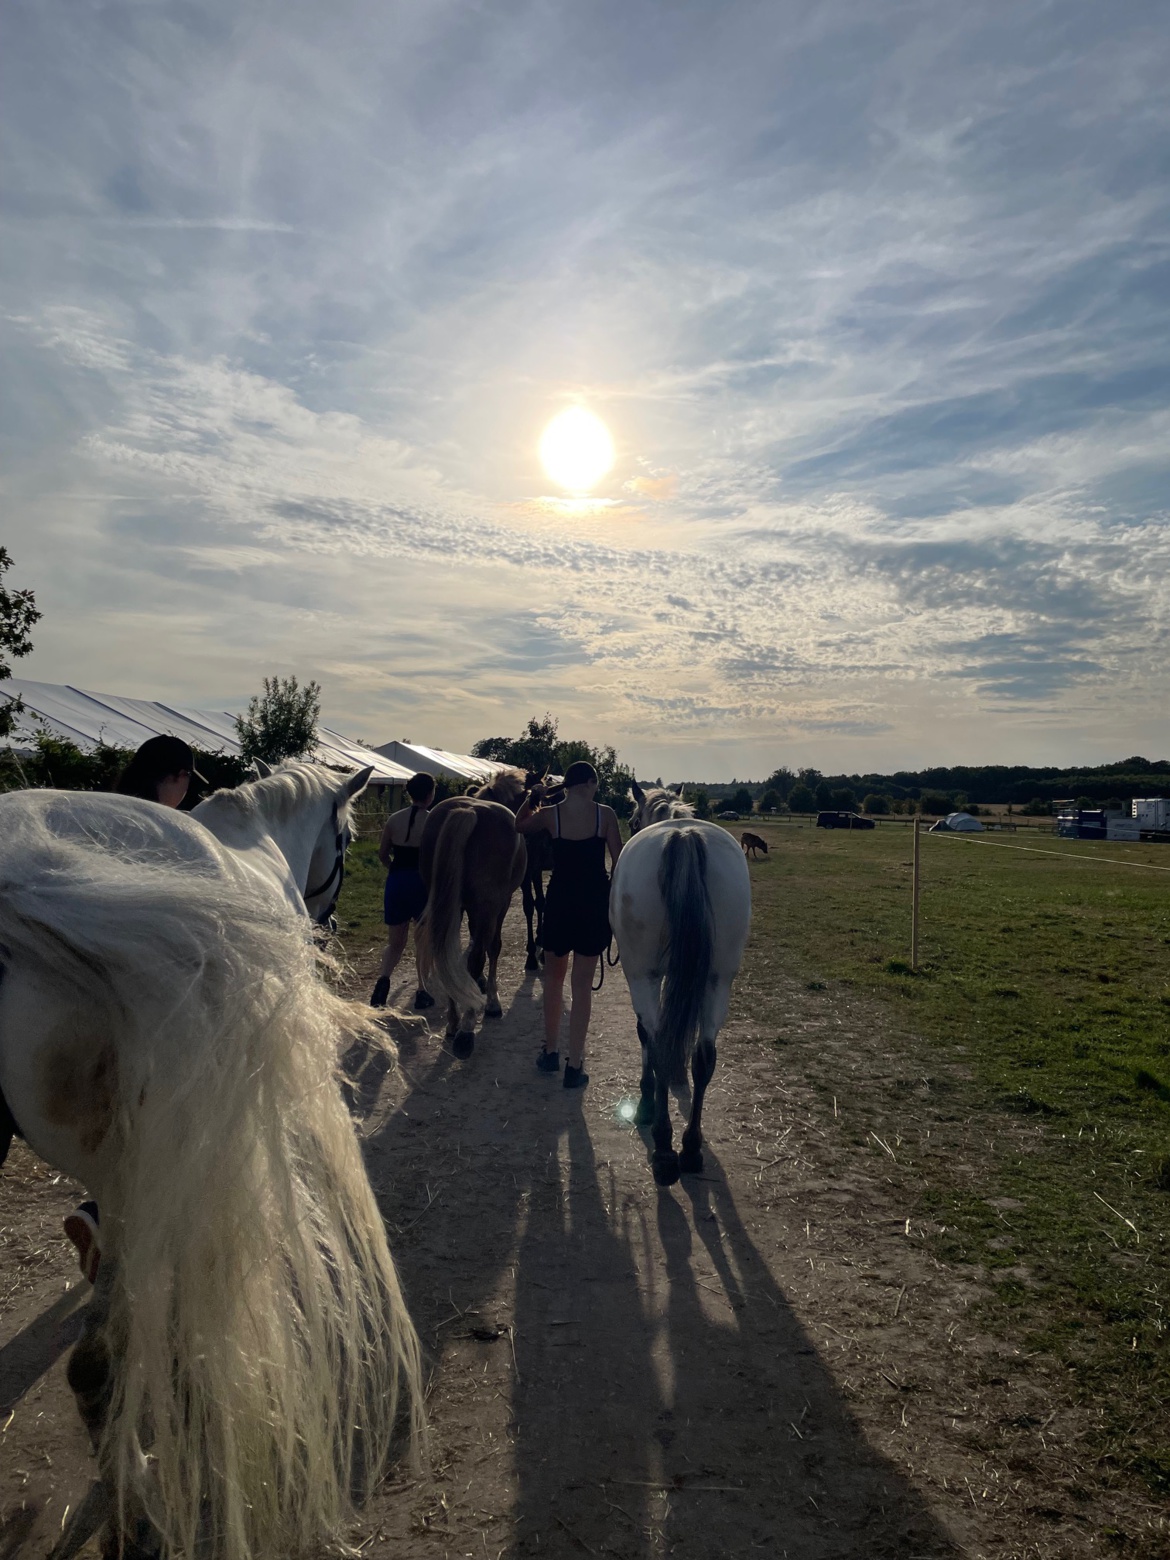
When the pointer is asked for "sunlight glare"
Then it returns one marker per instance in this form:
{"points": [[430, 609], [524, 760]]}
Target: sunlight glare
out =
{"points": [[627, 1110], [576, 449]]}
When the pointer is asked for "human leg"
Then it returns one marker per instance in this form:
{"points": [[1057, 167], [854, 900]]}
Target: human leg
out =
{"points": [[556, 966], [391, 954], [584, 970]]}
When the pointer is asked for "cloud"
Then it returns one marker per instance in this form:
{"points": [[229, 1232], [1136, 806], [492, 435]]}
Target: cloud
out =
{"points": [[874, 304]]}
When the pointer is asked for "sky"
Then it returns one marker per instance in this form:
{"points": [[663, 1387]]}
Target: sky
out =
{"points": [[874, 300]]}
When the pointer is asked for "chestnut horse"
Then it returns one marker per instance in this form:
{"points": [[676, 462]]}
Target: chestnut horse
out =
{"points": [[472, 861]]}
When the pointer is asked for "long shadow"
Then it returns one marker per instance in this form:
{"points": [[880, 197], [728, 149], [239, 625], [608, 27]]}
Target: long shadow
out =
{"points": [[25, 1358]]}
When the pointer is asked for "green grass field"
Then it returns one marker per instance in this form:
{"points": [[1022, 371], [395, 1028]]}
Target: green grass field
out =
{"points": [[1049, 977]]}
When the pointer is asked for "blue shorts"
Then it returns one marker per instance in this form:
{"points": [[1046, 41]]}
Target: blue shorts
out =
{"points": [[405, 897]]}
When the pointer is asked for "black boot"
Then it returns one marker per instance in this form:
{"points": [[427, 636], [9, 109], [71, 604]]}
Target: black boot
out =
{"points": [[575, 1077], [548, 1061], [381, 991]]}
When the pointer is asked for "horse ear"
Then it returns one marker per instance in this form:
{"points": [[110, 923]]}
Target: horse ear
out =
{"points": [[357, 783], [638, 793], [262, 769]]}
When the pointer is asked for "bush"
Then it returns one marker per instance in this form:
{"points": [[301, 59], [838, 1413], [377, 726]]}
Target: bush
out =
{"points": [[771, 801], [1037, 808], [935, 803], [801, 800], [874, 803], [57, 764]]}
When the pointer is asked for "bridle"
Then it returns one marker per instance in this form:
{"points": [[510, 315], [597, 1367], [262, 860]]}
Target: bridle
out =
{"points": [[341, 844]]}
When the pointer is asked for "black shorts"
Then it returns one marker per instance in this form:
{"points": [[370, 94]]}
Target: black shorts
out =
{"points": [[577, 922]]}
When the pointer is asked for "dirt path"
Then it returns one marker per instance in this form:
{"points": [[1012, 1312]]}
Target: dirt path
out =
{"points": [[764, 1360]]}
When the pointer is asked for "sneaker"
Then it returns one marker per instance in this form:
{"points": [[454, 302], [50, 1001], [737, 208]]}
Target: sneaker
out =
{"points": [[548, 1061], [381, 991], [575, 1077], [423, 1000], [81, 1226]]}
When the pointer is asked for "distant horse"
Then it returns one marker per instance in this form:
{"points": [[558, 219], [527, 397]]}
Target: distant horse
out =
{"points": [[680, 907], [752, 844], [509, 788], [166, 1038], [654, 804], [472, 860]]}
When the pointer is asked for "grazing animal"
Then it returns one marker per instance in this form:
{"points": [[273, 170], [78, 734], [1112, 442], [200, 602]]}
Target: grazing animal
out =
{"points": [[680, 907], [654, 804], [509, 788], [166, 1038], [752, 844], [472, 861]]}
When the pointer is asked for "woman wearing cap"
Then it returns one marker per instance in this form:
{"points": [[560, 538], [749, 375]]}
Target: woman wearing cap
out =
{"points": [[161, 771], [576, 916], [406, 895]]}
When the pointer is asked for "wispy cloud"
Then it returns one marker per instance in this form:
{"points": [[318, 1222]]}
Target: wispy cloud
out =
{"points": [[874, 302]]}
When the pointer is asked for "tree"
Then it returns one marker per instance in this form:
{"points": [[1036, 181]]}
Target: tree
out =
{"points": [[844, 799], [539, 748], [781, 780], [701, 802], [824, 795], [742, 800], [18, 613], [801, 800], [281, 722], [875, 803], [936, 804], [771, 801]]}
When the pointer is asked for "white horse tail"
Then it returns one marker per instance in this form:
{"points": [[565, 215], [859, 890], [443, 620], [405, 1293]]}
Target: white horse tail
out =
{"points": [[443, 959], [260, 1347], [682, 878]]}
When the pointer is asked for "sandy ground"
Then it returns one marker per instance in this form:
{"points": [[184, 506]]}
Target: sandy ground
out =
{"points": [[765, 1359]]}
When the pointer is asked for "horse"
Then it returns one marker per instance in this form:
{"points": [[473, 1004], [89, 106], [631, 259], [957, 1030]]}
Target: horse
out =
{"points": [[680, 908], [166, 1038], [752, 844], [654, 804], [472, 861], [509, 788]]}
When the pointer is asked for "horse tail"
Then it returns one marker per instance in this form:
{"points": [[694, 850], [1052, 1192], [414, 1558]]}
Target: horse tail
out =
{"points": [[442, 952], [682, 878], [259, 1346]]}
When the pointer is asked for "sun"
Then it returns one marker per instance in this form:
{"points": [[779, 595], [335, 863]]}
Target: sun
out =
{"points": [[576, 449]]}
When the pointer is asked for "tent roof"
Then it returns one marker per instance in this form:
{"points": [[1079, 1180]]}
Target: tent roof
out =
{"points": [[90, 719], [439, 762]]}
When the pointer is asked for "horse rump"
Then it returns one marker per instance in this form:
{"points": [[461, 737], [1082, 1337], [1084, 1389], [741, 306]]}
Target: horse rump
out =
{"points": [[682, 878]]}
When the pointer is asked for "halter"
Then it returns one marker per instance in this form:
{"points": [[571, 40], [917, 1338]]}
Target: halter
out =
{"points": [[338, 872]]}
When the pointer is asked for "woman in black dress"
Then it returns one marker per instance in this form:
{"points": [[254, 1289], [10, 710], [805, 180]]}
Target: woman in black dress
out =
{"points": [[576, 916]]}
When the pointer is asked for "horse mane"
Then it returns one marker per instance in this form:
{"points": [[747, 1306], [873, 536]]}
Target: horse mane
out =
{"points": [[658, 803], [507, 788], [279, 795]]}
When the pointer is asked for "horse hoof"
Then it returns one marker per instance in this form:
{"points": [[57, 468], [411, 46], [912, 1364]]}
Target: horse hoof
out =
{"points": [[463, 1044], [691, 1164], [493, 1010], [532, 962], [644, 1114], [481, 982], [666, 1168]]}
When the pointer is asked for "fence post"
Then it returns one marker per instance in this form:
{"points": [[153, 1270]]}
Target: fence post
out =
{"points": [[914, 900]]}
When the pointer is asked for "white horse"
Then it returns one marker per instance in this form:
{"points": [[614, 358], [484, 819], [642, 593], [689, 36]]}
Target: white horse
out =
{"points": [[165, 1038], [655, 804], [680, 906]]}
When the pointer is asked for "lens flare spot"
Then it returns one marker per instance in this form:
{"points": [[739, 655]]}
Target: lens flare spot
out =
{"points": [[627, 1110]]}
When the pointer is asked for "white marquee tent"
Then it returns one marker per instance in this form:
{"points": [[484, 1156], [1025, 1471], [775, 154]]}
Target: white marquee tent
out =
{"points": [[90, 719], [439, 762]]}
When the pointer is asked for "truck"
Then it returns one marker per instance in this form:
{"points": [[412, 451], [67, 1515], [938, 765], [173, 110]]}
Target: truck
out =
{"points": [[1152, 812]]}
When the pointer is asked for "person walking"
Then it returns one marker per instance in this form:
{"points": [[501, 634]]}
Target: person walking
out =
{"points": [[160, 771], [406, 894], [576, 915]]}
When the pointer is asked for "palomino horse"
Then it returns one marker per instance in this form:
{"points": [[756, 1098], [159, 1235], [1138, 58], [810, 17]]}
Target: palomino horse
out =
{"points": [[472, 860], [680, 907], [509, 788], [655, 804], [166, 1038]]}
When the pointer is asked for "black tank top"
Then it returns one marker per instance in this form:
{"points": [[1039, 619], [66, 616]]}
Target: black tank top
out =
{"points": [[405, 857], [579, 862]]}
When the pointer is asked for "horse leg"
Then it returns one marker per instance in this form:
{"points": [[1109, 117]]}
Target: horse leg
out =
{"points": [[716, 1001], [644, 1114], [531, 962], [664, 1161], [645, 992], [493, 1009], [702, 1066]]}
